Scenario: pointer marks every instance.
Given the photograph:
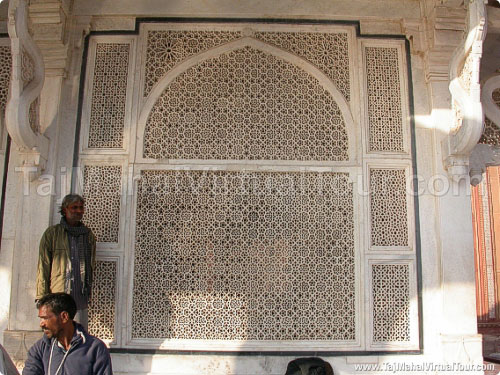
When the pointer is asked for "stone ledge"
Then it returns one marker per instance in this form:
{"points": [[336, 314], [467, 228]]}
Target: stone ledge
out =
{"points": [[17, 344]]}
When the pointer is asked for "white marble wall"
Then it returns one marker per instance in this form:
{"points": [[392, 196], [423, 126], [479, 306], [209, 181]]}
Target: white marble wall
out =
{"points": [[448, 294]]}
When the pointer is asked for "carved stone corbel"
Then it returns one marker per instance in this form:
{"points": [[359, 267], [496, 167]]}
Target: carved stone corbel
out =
{"points": [[22, 111], [465, 91]]}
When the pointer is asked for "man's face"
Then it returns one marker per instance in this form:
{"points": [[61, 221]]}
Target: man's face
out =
{"points": [[51, 324], [74, 212]]}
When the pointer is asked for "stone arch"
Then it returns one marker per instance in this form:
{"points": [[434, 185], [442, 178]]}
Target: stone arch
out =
{"points": [[336, 105]]}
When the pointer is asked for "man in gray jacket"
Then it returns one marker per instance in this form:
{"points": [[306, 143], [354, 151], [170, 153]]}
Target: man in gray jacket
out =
{"points": [[65, 348]]}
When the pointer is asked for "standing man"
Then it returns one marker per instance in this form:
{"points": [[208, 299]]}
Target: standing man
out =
{"points": [[67, 257], [65, 348]]}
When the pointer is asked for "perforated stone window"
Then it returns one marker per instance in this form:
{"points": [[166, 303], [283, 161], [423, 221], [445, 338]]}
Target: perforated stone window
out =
{"points": [[109, 91], [5, 68], [385, 113], [391, 302], [388, 207], [244, 255], [246, 104], [102, 309], [165, 49], [102, 193], [328, 51]]}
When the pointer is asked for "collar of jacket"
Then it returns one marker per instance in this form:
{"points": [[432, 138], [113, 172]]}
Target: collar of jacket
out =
{"points": [[78, 336]]}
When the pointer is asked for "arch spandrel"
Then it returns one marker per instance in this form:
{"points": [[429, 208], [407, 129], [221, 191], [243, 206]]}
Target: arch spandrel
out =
{"points": [[246, 100]]}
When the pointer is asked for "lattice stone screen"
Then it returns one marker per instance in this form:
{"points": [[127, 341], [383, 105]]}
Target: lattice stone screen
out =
{"points": [[391, 302], [109, 95], [246, 104], [167, 48], [5, 68], [384, 99], [388, 207], [241, 226], [328, 51], [102, 193], [102, 309], [244, 255]]}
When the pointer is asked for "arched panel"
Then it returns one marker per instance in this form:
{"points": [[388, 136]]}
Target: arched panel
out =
{"points": [[246, 101]]}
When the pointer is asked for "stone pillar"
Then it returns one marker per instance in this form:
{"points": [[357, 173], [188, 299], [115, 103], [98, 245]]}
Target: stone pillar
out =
{"points": [[459, 339], [453, 220]]}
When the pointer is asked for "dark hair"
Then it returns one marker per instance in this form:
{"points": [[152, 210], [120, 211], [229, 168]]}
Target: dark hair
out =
{"points": [[309, 366], [58, 302], [70, 199]]}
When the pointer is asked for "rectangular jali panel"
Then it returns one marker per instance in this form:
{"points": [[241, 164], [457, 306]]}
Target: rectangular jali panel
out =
{"points": [[391, 302], [107, 119], [385, 112], [102, 309], [5, 67], [388, 208], [102, 192], [244, 256]]}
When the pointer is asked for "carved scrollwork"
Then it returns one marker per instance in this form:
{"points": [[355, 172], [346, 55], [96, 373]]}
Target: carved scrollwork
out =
{"points": [[27, 68], [22, 117], [466, 94]]}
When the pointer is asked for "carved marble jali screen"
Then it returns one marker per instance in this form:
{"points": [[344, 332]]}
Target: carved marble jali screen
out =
{"points": [[249, 186], [232, 258]]}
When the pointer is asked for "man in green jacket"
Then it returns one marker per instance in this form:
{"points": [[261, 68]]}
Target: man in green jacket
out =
{"points": [[67, 257]]}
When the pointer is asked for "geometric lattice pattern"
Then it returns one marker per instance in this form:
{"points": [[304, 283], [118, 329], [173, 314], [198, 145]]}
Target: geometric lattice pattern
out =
{"points": [[109, 92], [165, 49], [5, 67], [391, 302], [327, 51], [388, 208], [244, 255], [385, 114], [102, 193], [102, 308], [246, 105], [491, 132]]}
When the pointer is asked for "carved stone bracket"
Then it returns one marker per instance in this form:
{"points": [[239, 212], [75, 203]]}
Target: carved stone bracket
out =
{"points": [[465, 90], [22, 111]]}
